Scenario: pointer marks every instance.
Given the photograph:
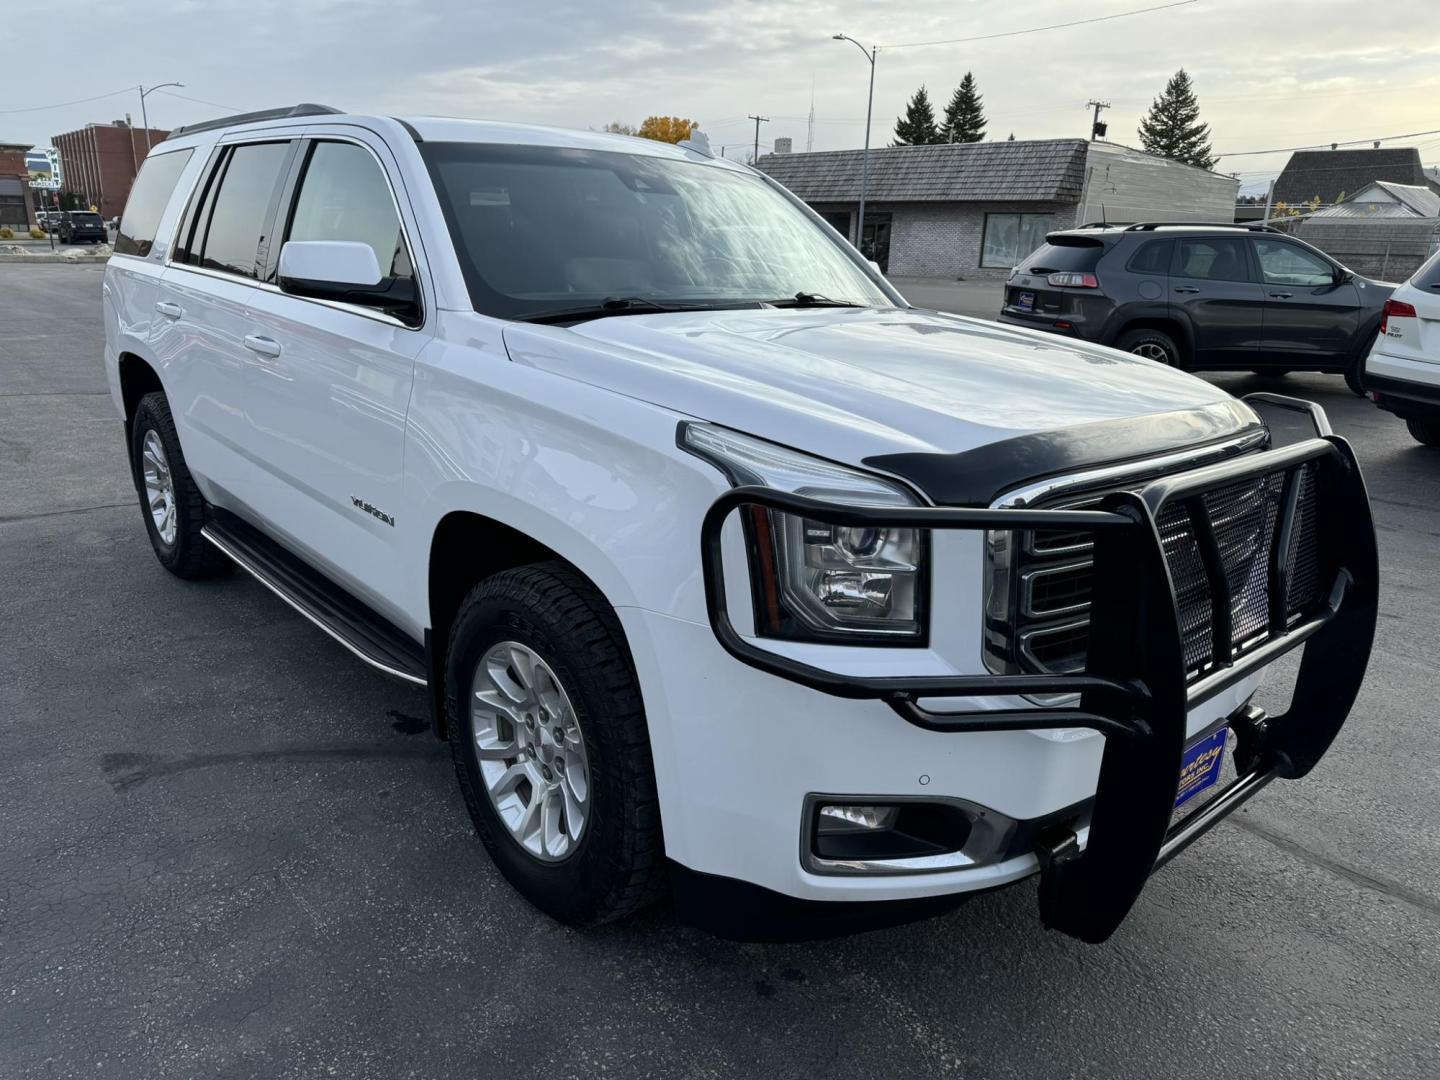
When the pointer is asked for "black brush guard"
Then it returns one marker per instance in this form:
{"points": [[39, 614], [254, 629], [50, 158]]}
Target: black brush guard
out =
{"points": [[1134, 688]]}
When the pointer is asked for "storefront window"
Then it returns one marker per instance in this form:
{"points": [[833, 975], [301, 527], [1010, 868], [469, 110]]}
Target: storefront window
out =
{"points": [[1010, 237]]}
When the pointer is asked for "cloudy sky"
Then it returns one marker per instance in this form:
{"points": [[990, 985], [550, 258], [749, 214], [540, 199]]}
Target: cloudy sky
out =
{"points": [[1327, 70]]}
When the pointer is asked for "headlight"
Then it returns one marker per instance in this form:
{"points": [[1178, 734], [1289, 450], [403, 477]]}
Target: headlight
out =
{"points": [[813, 581]]}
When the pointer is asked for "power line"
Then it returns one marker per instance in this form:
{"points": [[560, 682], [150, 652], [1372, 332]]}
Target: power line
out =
{"points": [[1322, 146], [197, 101], [63, 104], [1039, 29]]}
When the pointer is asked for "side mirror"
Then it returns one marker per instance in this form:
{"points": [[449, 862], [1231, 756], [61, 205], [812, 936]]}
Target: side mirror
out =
{"points": [[1342, 275], [876, 267], [347, 272], [320, 263]]}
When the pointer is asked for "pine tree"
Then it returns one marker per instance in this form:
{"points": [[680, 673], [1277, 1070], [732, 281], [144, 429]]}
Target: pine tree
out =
{"points": [[965, 115], [1172, 128], [917, 127]]}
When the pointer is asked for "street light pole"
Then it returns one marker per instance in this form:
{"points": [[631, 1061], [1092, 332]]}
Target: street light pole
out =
{"points": [[143, 118], [869, 55]]}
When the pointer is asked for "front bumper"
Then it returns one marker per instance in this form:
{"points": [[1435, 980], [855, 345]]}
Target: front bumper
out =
{"points": [[1134, 690]]}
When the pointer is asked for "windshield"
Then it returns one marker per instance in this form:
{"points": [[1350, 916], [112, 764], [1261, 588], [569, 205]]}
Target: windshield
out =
{"points": [[547, 229], [85, 218]]}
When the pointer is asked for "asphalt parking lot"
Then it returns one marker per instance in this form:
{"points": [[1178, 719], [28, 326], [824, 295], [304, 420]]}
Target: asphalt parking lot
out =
{"points": [[231, 850]]}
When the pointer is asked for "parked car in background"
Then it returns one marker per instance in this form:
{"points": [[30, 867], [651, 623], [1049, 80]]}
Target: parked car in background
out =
{"points": [[82, 227], [688, 524], [1402, 372], [1200, 297], [48, 220]]}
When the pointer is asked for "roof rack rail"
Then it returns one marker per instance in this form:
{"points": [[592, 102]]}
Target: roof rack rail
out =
{"points": [[1099, 225], [303, 109], [1151, 226]]}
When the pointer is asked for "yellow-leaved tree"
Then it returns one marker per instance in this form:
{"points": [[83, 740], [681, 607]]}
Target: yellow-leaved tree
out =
{"points": [[671, 129]]}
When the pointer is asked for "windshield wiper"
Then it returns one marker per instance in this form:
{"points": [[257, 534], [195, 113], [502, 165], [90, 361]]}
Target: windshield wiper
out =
{"points": [[808, 299], [611, 305]]}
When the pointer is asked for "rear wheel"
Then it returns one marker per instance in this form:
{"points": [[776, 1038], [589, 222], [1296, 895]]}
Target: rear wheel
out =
{"points": [[1425, 431], [548, 735], [174, 508], [1152, 345]]}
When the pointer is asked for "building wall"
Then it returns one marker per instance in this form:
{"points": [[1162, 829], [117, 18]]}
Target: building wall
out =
{"points": [[1126, 186], [1384, 248], [14, 180], [99, 162]]}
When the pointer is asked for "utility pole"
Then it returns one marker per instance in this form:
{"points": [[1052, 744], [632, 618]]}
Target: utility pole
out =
{"points": [[1097, 129], [758, 121], [144, 118], [869, 55], [1269, 201]]}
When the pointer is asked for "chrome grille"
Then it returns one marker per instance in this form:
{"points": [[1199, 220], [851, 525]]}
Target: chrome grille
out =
{"points": [[1040, 624]]}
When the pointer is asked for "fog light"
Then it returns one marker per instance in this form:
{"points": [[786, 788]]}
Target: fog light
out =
{"points": [[835, 819]]}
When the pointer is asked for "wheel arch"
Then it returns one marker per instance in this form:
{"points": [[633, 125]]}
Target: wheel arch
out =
{"points": [[467, 547], [137, 378]]}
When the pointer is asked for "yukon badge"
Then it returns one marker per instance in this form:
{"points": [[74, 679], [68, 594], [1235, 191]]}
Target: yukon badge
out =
{"points": [[361, 504]]}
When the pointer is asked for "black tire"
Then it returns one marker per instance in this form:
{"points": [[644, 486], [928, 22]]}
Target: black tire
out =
{"points": [[617, 866], [187, 555], [1269, 373], [1425, 431], [1146, 342], [1353, 375]]}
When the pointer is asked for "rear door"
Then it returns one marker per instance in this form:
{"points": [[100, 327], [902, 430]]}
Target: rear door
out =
{"points": [[1214, 291], [1312, 309], [200, 336], [328, 407]]}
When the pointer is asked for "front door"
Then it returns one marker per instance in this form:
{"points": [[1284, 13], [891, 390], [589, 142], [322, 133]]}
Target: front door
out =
{"points": [[1312, 309], [330, 405], [1213, 289]]}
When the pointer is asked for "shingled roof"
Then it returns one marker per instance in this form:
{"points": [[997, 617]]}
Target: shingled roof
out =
{"points": [[1048, 170], [1333, 173]]}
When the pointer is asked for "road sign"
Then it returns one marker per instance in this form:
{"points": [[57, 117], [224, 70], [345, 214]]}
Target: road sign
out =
{"points": [[43, 164]]}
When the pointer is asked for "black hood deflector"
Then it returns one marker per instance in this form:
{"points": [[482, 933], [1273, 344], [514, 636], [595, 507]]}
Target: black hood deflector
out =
{"points": [[980, 476]]}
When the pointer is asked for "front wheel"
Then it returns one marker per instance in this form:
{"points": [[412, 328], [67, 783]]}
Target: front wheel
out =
{"points": [[1152, 345], [1352, 377], [550, 746], [1425, 431]]}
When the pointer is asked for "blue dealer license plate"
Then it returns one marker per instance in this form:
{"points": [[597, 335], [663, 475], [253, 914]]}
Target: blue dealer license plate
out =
{"points": [[1200, 766], [1025, 301]]}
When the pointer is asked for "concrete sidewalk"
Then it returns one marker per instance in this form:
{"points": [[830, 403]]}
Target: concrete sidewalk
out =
{"points": [[981, 299]]}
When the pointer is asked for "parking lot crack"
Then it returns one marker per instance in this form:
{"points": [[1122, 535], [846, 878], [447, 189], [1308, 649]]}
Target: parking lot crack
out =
{"points": [[62, 513], [1393, 889]]}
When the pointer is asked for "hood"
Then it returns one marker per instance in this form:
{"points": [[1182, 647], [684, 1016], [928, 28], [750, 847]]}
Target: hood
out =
{"points": [[850, 383]]}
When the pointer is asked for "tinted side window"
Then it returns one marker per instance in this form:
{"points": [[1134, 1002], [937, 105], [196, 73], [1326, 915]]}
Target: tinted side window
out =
{"points": [[344, 196], [1286, 264], [1152, 257], [1217, 258], [242, 209], [146, 204]]}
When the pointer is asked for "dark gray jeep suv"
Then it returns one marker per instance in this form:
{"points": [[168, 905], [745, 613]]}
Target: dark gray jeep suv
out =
{"points": [[1216, 297]]}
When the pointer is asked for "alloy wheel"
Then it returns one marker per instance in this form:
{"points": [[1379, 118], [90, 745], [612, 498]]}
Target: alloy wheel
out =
{"points": [[531, 751], [1152, 351], [159, 486]]}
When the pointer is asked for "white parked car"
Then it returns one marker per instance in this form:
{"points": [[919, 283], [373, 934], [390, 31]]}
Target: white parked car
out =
{"points": [[1402, 372], [725, 570]]}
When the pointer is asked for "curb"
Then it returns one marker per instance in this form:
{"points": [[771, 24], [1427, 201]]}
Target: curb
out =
{"points": [[48, 258]]}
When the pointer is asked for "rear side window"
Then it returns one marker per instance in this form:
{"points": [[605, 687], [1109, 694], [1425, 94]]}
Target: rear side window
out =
{"points": [[344, 196], [1213, 258], [148, 199], [1152, 257], [1064, 253], [1428, 276], [243, 205]]}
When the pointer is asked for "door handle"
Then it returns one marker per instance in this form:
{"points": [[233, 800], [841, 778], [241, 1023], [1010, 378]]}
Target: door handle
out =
{"points": [[1186, 288], [169, 310], [262, 345], [1281, 295]]}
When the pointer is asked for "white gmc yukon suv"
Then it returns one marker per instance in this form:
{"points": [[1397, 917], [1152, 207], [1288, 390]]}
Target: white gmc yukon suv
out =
{"points": [[728, 573]]}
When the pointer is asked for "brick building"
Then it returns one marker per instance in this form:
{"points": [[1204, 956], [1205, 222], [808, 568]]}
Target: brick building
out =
{"points": [[15, 209], [976, 209], [99, 163]]}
